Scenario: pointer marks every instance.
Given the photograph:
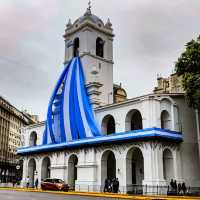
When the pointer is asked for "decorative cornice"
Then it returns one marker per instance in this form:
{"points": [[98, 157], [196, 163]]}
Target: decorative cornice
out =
{"points": [[136, 100], [87, 23]]}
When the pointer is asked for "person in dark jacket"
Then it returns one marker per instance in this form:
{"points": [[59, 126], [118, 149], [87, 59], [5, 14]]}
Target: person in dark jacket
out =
{"points": [[106, 185], [172, 185], [175, 186], [117, 185], [36, 183], [184, 188], [179, 188]]}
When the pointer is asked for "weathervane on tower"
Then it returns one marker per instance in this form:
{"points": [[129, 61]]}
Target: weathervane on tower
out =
{"points": [[88, 11], [89, 5]]}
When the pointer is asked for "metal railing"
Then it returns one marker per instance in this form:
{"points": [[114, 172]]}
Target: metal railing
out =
{"points": [[141, 190]]}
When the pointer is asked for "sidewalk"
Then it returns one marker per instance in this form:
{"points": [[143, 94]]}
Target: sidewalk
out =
{"points": [[107, 195]]}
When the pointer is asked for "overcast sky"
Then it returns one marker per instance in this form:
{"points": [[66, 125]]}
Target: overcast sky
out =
{"points": [[150, 35]]}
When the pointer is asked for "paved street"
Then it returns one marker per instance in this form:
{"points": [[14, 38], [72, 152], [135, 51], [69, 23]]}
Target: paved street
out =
{"points": [[15, 195]]}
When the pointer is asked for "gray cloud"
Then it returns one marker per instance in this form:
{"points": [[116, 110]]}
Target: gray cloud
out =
{"points": [[150, 35]]}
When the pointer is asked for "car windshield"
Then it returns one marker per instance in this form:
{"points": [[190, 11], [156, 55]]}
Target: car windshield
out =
{"points": [[58, 181], [48, 180]]}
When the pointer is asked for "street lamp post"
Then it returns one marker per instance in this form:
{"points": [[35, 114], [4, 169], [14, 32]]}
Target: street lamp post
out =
{"points": [[17, 173]]}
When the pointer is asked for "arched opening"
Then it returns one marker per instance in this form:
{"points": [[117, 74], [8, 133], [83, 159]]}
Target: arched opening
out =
{"points": [[99, 47], [168, 165], [108, 125], [76, 47], [133, 120], [33, 139], [46, 171], [108, 166], [165, 120], [134, 167], [72, 171], [32, 171]]}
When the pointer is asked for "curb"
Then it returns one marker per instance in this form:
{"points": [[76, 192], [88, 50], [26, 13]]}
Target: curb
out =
{"points": [[106, 195]]}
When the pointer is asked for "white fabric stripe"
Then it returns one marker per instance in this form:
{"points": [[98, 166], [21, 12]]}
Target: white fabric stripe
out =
{"points": [[48, 136], [66, 105], [85, 123]]}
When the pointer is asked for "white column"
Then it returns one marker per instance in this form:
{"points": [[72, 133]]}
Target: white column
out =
{"points": [[172, 117], [58, 166], [121, 171], [148, 165], [38, 170], [153, 165], [177, 166], [86, 171], [25, 172]]}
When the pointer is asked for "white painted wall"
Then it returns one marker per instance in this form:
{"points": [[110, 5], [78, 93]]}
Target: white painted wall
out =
{"points": [[185, 155]]}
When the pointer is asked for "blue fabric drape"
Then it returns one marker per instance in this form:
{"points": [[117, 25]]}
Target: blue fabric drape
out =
{"points": [[81, 122]]}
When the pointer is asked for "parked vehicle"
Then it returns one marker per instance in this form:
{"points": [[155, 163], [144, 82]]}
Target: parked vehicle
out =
{"points": [[54, 184]]}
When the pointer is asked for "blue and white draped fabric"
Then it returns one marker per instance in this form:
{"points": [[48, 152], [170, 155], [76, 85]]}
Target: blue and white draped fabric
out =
{"points": [[70, 115]]}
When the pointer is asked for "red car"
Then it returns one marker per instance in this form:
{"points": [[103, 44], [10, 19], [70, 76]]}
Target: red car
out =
{"points": [[54, 184]]}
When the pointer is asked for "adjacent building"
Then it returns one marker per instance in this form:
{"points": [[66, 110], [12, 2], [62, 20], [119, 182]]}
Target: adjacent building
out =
{"points": [[11, 122]]}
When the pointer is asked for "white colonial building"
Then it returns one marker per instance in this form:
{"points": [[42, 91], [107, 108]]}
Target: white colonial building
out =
{"points": [[146, 140]]}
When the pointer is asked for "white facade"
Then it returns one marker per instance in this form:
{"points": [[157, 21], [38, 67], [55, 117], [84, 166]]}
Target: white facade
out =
{"points": [[159, 160], [142, 162]]}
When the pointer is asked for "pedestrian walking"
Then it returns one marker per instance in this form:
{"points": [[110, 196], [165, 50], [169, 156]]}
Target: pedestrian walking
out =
{"points": [[14, 182], [36, 183], [27, 182]]}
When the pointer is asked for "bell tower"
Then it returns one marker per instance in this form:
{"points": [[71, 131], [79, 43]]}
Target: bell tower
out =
{"points": [[92, 40]]}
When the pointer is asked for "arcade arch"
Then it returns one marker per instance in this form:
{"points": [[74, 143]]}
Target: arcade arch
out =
{"points": [[168, 165], [134, 166], [72, 170], [108, 125], [46, 172], [32, 171], [165, 120], [108, 166], [133, 120], [33, 139]]}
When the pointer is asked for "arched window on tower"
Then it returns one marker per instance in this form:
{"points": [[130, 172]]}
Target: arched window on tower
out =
{"points": [[76, 47], [100, 47]]}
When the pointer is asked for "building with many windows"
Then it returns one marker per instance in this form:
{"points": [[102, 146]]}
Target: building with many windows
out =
{"points": [[145, 141], [11, 122]]}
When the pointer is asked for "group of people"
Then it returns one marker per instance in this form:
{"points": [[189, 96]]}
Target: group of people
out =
{"points": [[179, 188], [28, 182], [111, 185]]}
